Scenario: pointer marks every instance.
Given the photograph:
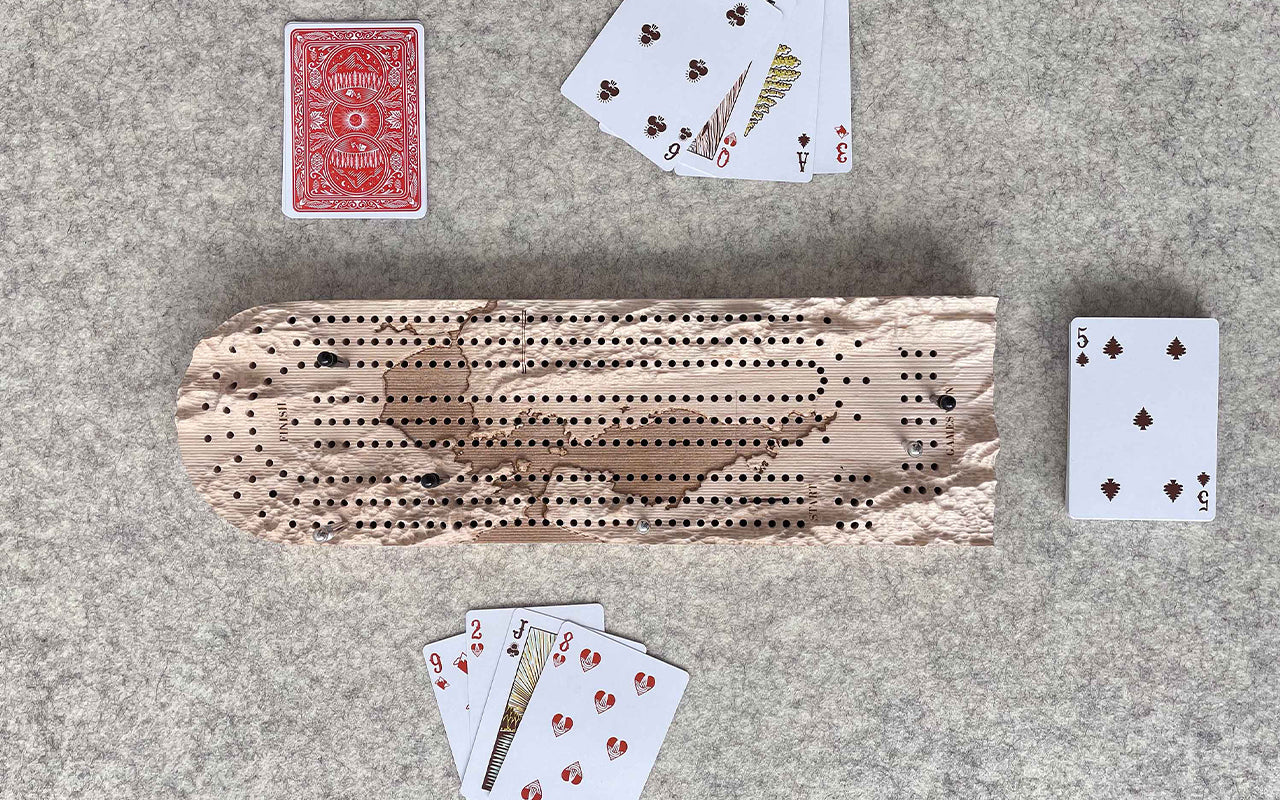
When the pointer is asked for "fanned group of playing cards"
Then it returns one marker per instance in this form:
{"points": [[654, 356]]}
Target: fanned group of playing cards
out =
{"points": [[751, 89], [542, 703]]}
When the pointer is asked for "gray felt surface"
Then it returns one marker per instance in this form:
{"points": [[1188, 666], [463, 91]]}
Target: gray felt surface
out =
{"points": [[1071, 157]]}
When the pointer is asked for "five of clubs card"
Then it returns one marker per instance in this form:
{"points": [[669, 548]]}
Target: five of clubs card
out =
{"points": [[751, 89], [541, 702], [1143, 419]]}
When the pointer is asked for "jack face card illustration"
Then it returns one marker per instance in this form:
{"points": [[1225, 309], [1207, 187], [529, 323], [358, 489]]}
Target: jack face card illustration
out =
{"points": [[595, 725], [770, 131], [660, 66], [353, 120], [1143, 438], [488, 629], [447, 668]]}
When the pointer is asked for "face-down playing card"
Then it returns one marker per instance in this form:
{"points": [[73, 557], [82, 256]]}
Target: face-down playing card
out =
{"points": [[447, 669], [520, 665], [487, 630], [353, 120], [595, 725], [660, 66], [1143, 418]]}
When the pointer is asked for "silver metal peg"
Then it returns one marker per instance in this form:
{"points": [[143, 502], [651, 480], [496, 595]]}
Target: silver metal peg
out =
{"points": [[914, 449], [643, 527]]}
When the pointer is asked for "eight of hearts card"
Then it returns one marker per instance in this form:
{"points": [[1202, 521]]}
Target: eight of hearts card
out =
{"points": [[524, 655], [488, 628], [595, 725], [354, 120], [1143, 419]]}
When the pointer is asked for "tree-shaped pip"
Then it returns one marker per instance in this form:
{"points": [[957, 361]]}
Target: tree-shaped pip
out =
{"points": [[1173, 489], [1112, 347], [1176, 349], [1142, 419], [1082, 359], [1110, 488]]}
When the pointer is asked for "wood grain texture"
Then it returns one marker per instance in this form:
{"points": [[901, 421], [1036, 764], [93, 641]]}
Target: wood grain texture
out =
{"points": [[629, 421]]}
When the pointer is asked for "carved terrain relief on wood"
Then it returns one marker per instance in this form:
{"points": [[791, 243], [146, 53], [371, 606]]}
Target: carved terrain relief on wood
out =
{"points": [[816, 420]]}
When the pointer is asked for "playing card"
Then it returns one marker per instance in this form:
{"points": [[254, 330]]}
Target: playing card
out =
{"points": [[520, 664], [835, 94], [660, 66], [487, 630], [1143, 418], [447, 665], [594, 726], [353, 120], [771, 122]]}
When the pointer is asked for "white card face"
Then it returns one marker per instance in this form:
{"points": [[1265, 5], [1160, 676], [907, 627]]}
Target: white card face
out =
{"points": [[447, 667], [520, 661], [770, 130], [487, 631], [831, 142], [1143, 418], [595, 725], [660, 66]]}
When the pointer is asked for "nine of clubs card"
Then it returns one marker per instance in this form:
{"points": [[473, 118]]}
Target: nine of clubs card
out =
{"points": [[659, 66]]}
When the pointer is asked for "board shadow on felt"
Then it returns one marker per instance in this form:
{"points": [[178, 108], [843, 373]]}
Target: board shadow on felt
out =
{"points": [[906, 259]]}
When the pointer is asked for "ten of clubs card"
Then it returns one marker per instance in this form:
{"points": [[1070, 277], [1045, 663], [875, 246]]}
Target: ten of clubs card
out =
{"points": [[1143, 419]]}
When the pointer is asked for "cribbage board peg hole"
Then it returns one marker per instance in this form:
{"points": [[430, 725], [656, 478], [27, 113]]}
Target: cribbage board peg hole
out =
{"points": [[946, 402], [915, 448], [329, 359]]}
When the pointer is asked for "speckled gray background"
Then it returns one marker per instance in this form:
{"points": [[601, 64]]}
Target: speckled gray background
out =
{"points": [[1072, 157]]}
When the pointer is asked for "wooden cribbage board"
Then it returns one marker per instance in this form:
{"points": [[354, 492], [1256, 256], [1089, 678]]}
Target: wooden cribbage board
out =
{"points": [[629, 421]]}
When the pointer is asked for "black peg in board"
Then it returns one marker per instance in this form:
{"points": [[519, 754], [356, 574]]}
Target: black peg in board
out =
{"points": [[946, 402], [327, 359]]}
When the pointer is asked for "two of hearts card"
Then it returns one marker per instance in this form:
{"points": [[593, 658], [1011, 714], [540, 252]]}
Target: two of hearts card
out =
{"points": [[1144, 419], [353, 120], [750, 89], [541, 702]]}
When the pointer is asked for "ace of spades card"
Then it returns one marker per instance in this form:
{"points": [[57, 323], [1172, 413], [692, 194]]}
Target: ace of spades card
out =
{"points": [[660, 66], [768, 121], [595, 725], [1143, 419]]}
